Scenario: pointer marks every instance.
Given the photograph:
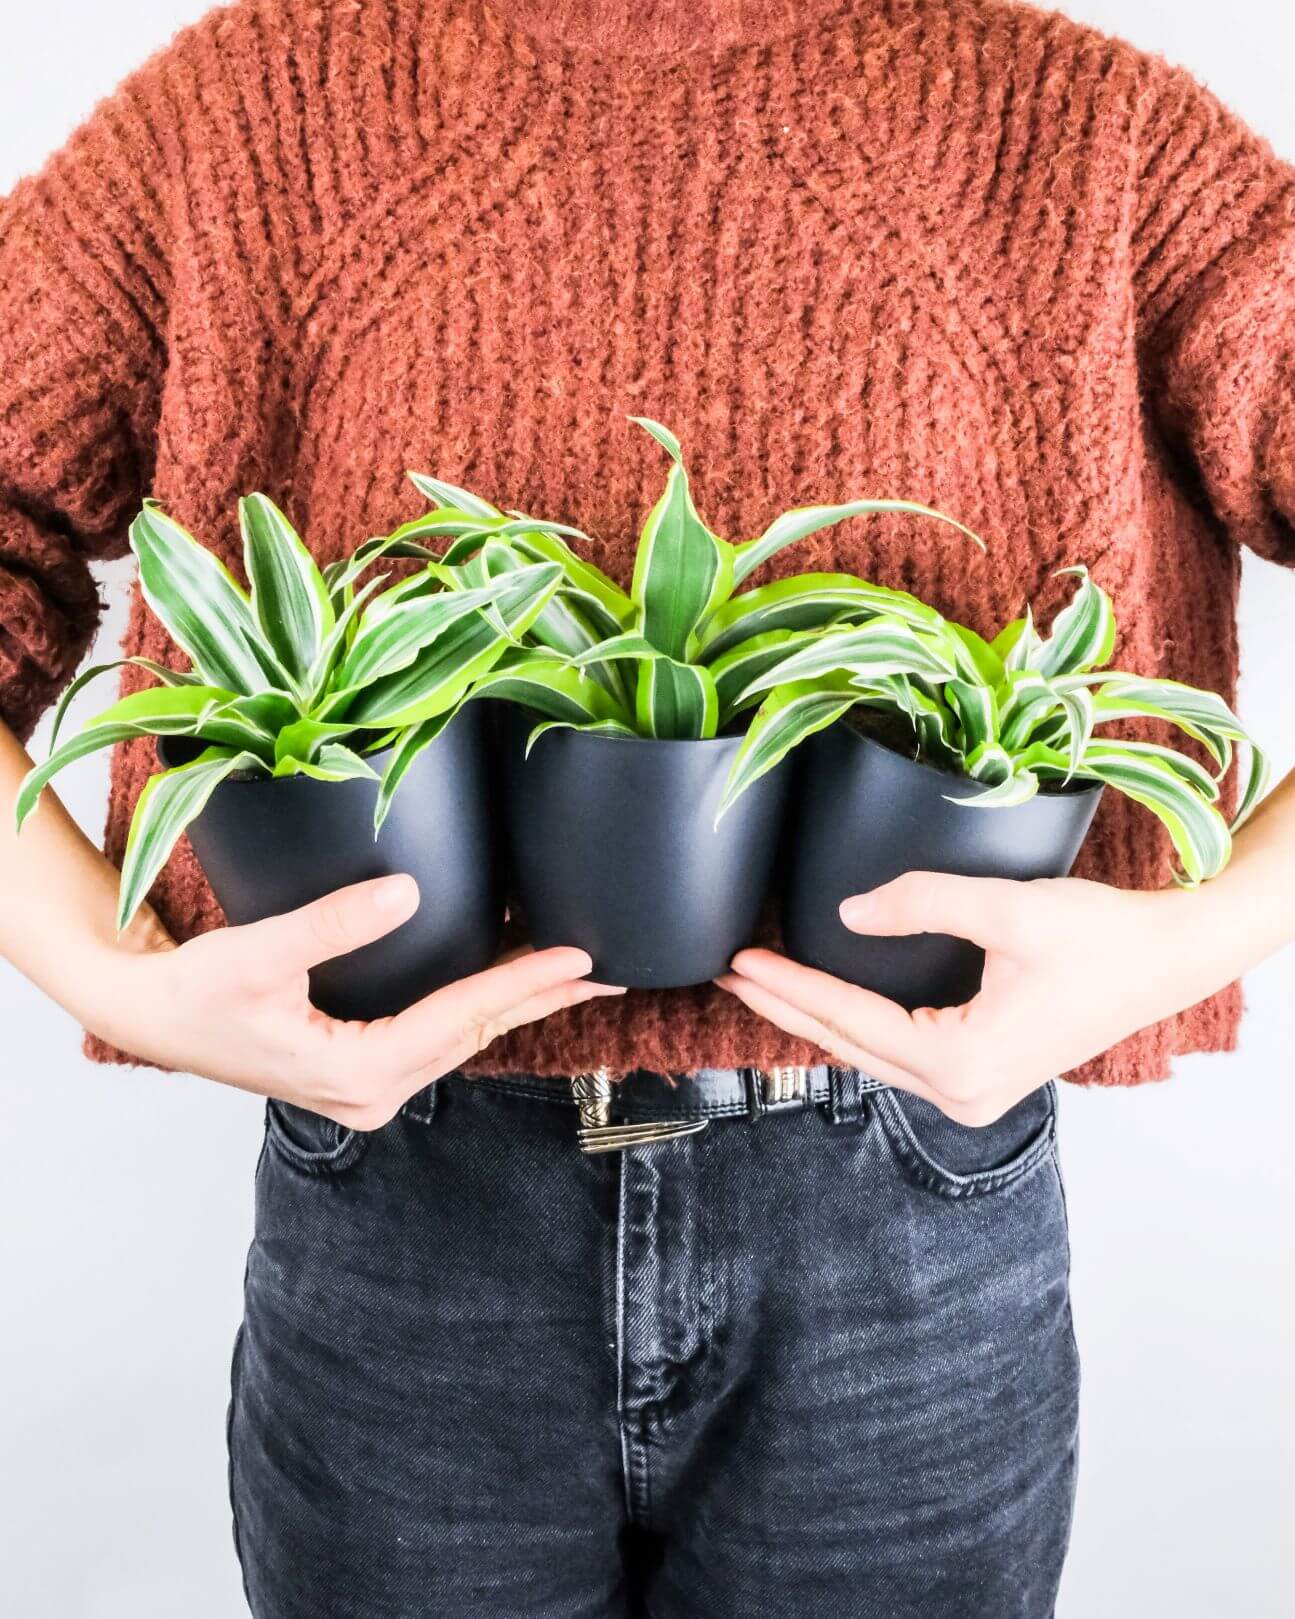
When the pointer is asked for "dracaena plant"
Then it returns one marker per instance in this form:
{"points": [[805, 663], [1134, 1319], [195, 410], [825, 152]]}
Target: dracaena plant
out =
{"points": [[669, 657], [1019, 714], [307, 673]]}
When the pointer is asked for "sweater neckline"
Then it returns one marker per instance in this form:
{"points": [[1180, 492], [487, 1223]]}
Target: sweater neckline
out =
{"points": [[647, 28]]}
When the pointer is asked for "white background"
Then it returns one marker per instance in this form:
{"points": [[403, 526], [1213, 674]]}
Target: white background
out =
{"points": [[124, 1196]]}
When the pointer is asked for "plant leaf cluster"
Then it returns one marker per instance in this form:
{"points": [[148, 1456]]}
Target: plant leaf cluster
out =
{"points": [[1017, 714]]}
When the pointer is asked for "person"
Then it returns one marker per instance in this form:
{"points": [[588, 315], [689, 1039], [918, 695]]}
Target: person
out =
{"points": [[817, 1357]]}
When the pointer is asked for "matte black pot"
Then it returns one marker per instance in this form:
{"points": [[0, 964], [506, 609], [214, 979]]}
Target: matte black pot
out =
{"points": [[614, 850], [268, 846], [864, 814]]}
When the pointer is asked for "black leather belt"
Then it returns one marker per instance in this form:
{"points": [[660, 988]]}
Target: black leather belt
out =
{"points": [[645, 1108]]}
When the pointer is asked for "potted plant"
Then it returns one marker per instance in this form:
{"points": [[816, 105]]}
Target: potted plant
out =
{"points": [[308, 701], [625, 723], [898, 763]]}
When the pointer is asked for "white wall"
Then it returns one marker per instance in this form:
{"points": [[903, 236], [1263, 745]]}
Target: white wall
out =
{"points": [[124, 1196]]}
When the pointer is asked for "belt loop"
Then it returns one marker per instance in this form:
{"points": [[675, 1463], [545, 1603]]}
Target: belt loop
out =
{"points": [[847, 1090], [421, 1106]]}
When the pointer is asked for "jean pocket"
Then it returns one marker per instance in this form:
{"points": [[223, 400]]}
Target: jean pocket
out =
{"points": [[959, 1160], [310, 1142]]}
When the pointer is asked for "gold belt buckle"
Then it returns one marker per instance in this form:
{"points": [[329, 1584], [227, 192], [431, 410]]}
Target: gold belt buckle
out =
{"points": [[597, 1133]]}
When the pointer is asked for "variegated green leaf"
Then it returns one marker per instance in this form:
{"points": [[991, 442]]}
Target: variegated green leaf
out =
{"points": [[392, 639], [630, 645], [305, 738], [682, 571], [989, 762], [1202, 715], [880, 647], [975, 657], [607, 607], [289, 597], [84, 742], [441, 493], [593, 728], [1017, 787], [1080, 716], [168, 803], [976, 710], [788, 715], [441, 673], [338, 640], [1200, 834], [1017, 643], [566, 624], [935, 727], [1026, 698], [168, 677], [335, 762], [799, 523], [548, 684], [410, 744], [216, 716], [736, 671], [807, 601], [676, 701], [1197, 777], [1082, 634], [202, 606]]}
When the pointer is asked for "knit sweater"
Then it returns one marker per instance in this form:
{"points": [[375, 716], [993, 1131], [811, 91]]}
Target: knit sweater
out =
{"points": [[960, 251]]}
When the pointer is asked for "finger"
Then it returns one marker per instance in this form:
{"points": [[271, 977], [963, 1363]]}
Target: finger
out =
{"points": [[982, 909], [875, 1023], [328, 927], [834, 1041], [438, 1021], [479, 1036]]}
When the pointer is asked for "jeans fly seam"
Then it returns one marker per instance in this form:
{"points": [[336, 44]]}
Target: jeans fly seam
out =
{"points": [[627, 1468]]}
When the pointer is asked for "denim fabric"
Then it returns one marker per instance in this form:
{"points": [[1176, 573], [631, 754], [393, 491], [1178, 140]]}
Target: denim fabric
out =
{"points": [[807, 1366]]}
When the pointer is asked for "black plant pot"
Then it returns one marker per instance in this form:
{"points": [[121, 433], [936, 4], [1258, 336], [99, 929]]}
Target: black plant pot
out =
{"points": [[614, 850], [268, 846], [864, 814]]}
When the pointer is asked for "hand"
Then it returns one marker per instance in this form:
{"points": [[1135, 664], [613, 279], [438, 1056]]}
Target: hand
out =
{"points": [[1071, 968], [233, 1005]]}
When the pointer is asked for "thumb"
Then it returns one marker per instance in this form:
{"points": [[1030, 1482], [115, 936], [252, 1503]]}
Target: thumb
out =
{"points": [[328, 927], [981, 909]]}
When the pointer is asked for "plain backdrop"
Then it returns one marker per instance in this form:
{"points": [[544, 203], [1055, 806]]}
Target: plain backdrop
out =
{"points": [[125, 1196]]}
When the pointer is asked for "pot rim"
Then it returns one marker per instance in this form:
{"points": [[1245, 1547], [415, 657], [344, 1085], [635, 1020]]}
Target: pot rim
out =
{"points": [[1084, 789], [734, 741], [259, 780], [256, 780]]}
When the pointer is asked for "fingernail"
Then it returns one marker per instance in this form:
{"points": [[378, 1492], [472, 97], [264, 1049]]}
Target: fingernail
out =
{"points": [[855, 909], [607, 989], [395, 894]]}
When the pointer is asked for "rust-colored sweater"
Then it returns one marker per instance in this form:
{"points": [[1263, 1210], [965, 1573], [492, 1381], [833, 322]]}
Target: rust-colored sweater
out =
{"points": [[957, 250]]}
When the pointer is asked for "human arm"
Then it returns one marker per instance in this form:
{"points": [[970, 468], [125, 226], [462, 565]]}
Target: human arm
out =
{"points": [[233, 1005]]}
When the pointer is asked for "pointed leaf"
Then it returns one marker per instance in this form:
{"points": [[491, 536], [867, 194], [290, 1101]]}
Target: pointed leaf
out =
{"points": [[807, 601], [411, 743], [202, 607], [676, 701], [787, 716], [595, 728], [169, 802], [289, 596], [1082, 634], [805, 520], [682, 571]]}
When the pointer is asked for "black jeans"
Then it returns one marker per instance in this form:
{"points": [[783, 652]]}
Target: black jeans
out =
{"points": [[815, 1365]]}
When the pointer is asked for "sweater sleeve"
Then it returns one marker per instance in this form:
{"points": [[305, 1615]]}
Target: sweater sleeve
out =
{"points": [[1214, 278], [83, 295]]}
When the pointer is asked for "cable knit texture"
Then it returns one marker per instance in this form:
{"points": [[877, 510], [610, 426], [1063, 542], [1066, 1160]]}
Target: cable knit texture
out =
{"points": [[956, 250]]}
